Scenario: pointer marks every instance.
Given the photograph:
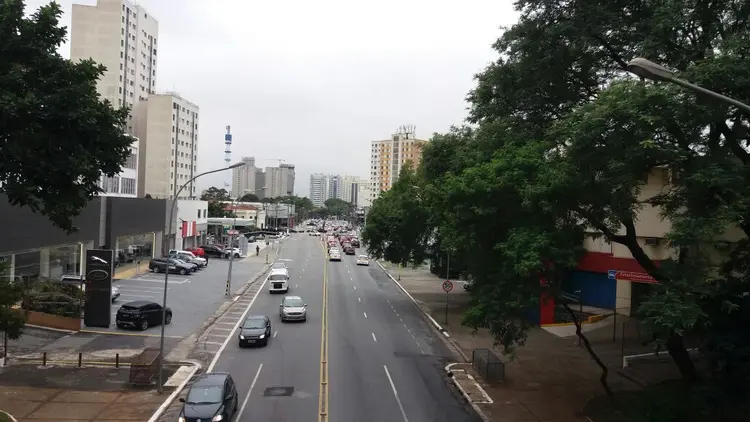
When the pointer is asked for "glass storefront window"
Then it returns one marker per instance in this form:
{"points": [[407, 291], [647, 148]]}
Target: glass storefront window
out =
{"points": [[27, 265], [64, 260], [133, 248]]}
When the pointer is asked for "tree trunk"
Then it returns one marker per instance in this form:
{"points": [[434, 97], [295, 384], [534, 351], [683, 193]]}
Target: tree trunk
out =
{"points": [[681, 358], [592, 353]]}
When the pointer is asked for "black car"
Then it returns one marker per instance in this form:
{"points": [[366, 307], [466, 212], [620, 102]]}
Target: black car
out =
{"points": [[141, 314], [159, 265], [255, 330], [212, 397], [213, 250]]}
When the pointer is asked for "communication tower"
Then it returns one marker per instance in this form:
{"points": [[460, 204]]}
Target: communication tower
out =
{"points": [[228, 153]]}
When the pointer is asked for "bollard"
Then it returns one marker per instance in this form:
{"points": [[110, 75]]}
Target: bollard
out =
{"points": [[117, 360], [80, 358], [44, 359]]}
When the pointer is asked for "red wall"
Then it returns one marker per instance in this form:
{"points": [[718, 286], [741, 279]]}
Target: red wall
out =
{"points": [[595, 262]]}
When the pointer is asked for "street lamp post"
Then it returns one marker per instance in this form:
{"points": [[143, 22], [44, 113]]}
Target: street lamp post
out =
{"points": [[228, 291], [160, 387], [650, 70]]}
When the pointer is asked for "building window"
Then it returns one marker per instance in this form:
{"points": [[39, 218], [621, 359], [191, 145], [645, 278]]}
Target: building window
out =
{"points": [[132, 161], [111, 184], [128, 186]]}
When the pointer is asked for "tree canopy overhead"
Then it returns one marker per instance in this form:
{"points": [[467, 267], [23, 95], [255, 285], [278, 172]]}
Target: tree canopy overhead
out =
{"points": [[564, 144], [58, 136]]}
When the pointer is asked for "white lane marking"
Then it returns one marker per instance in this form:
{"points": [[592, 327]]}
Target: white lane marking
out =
{"points": [[247, 397], [236, 325], [355, 287], [296, 285], [395, 394], [365, 314], [359, 299], [373, 338], [351, 279], [235, 299], [274, 333], [220, 329], [215, 343]]}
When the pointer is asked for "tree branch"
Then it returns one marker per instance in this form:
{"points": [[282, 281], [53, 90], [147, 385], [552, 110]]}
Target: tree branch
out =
{"points": [[590, 350]]}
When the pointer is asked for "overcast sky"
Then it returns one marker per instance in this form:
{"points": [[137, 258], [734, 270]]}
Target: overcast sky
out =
{"points": [[313, 82]]}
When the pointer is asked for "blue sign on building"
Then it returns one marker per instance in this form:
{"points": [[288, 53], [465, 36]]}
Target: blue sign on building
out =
{"points": [[612, 274]]}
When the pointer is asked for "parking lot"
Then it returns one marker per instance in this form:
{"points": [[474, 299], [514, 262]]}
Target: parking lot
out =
{"points": [[192, 298]]}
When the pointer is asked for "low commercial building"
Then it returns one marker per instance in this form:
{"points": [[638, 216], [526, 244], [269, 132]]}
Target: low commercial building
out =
{"points": [[32, 249], [190, 225]]}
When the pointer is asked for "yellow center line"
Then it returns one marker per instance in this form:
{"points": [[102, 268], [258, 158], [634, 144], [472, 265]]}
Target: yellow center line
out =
{"points": [[323, 393]]}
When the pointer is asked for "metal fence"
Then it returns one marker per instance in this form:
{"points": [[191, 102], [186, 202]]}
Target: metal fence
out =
{"points": [[488, 365]]}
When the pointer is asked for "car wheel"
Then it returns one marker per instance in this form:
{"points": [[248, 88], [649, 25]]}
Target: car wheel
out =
{"points": [[236, 255], [182, 271], [155, 269], [265, 342], [144, 325], [168, 319], [304, 319], [240, 344]]}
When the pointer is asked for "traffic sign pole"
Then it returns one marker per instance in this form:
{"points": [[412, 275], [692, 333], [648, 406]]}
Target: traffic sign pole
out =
{"points": [[447, 287]]}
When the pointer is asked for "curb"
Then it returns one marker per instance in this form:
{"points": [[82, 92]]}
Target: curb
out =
{"points": [[13, 419], [168, 402], [466, 397], [434, 323]]}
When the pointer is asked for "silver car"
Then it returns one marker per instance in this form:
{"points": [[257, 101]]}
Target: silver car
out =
{"points": [[293, 308]]}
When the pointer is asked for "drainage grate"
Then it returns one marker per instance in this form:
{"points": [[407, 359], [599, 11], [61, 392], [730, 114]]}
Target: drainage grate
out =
{"points": [[278, 392]]}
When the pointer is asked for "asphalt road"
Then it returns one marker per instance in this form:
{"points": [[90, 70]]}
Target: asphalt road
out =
{"points": [[193, 298], [383, 362]]}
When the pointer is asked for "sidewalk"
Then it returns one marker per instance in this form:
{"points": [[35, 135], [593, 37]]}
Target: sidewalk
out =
{"points": [[550, 379], [32, 394]]}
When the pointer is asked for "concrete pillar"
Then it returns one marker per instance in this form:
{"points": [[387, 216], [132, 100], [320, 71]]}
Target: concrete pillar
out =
{"points": [[623, 297], [44, 263], [158, 244]]}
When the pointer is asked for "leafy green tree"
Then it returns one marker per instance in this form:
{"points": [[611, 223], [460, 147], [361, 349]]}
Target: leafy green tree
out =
{"points": [[12, 318], [249, 197], [397, 227], [339, 207], [216, 198], [58, 136]]}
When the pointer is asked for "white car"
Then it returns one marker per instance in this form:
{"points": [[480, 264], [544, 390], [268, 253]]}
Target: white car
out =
{"points": [[334, 255], [202, 262], [363, 260], [278, 281]]}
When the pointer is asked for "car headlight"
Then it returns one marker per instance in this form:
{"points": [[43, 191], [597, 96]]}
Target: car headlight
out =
{"points": [[181, 419], [262, 336], [242, 337], [218, 418]]}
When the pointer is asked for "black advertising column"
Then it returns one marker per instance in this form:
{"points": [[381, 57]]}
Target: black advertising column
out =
{"points": [[100, 268]]}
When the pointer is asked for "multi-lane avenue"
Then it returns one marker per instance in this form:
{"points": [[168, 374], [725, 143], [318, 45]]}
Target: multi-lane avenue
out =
{"points": [[364, 353]]}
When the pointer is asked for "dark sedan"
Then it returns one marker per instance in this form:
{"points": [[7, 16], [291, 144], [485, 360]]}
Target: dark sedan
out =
{"points": [[212, 397], [256, 329]]}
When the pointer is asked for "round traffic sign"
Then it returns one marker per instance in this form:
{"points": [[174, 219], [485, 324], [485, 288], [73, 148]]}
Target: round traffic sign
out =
{"points": [[447, 286]]}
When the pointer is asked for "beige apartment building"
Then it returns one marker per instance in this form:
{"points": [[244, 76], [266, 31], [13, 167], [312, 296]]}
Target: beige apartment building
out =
{"points": [[167, 125], [388, 156], [243, 178], [608, 277]]}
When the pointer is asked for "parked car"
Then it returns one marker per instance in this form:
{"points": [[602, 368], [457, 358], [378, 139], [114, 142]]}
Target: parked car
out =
{"points": [[141, 314], [188, 256], [293, 308], [213, 250], [256, 329], [211, 397], [159, 265], [199, 252]]}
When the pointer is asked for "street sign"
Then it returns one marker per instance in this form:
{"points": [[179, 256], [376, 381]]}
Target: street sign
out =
{"points": [[447, 286], [233, 232]]}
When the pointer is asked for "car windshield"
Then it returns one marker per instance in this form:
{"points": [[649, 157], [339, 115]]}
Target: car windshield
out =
{"points": [[252, 323], [279, 265], [204, 395], [363, 257], [293, 302], [278, 277]]}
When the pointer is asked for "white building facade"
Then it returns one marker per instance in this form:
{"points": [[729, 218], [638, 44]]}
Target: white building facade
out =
{"points": [[124, 184], [243, 178], [318, 189], [167, 125], [279, 181], [190, 225]]}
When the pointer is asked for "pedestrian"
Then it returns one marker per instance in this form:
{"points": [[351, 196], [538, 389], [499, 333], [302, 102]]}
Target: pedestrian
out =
{"points": [[257, 250]]}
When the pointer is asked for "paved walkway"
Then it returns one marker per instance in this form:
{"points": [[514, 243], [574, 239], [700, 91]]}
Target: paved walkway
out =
{"points": [[33, 394], [550, 378]]}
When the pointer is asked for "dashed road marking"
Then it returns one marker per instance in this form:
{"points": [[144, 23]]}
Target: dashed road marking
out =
{"points": [[359, 299], [365, 314], [374, 338]]}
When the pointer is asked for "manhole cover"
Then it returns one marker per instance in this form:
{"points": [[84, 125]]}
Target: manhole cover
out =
{"points": [[278, 392]]}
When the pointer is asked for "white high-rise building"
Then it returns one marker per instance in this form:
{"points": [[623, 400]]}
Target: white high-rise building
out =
{"points": [[168, 131], [279, 181], [364, 197], [349, 191], [122, 36], [318, 189], [243, 178]]}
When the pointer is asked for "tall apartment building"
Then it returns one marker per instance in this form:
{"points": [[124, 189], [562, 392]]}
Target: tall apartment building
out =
{"points": [[388, 156], [279, 181], [260, 183], [318, 189], [122, 36], [243, 178], [168, 130]]}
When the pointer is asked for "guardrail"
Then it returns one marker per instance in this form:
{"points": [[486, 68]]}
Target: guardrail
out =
{"points": [[488, 365], [44, 360]]}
